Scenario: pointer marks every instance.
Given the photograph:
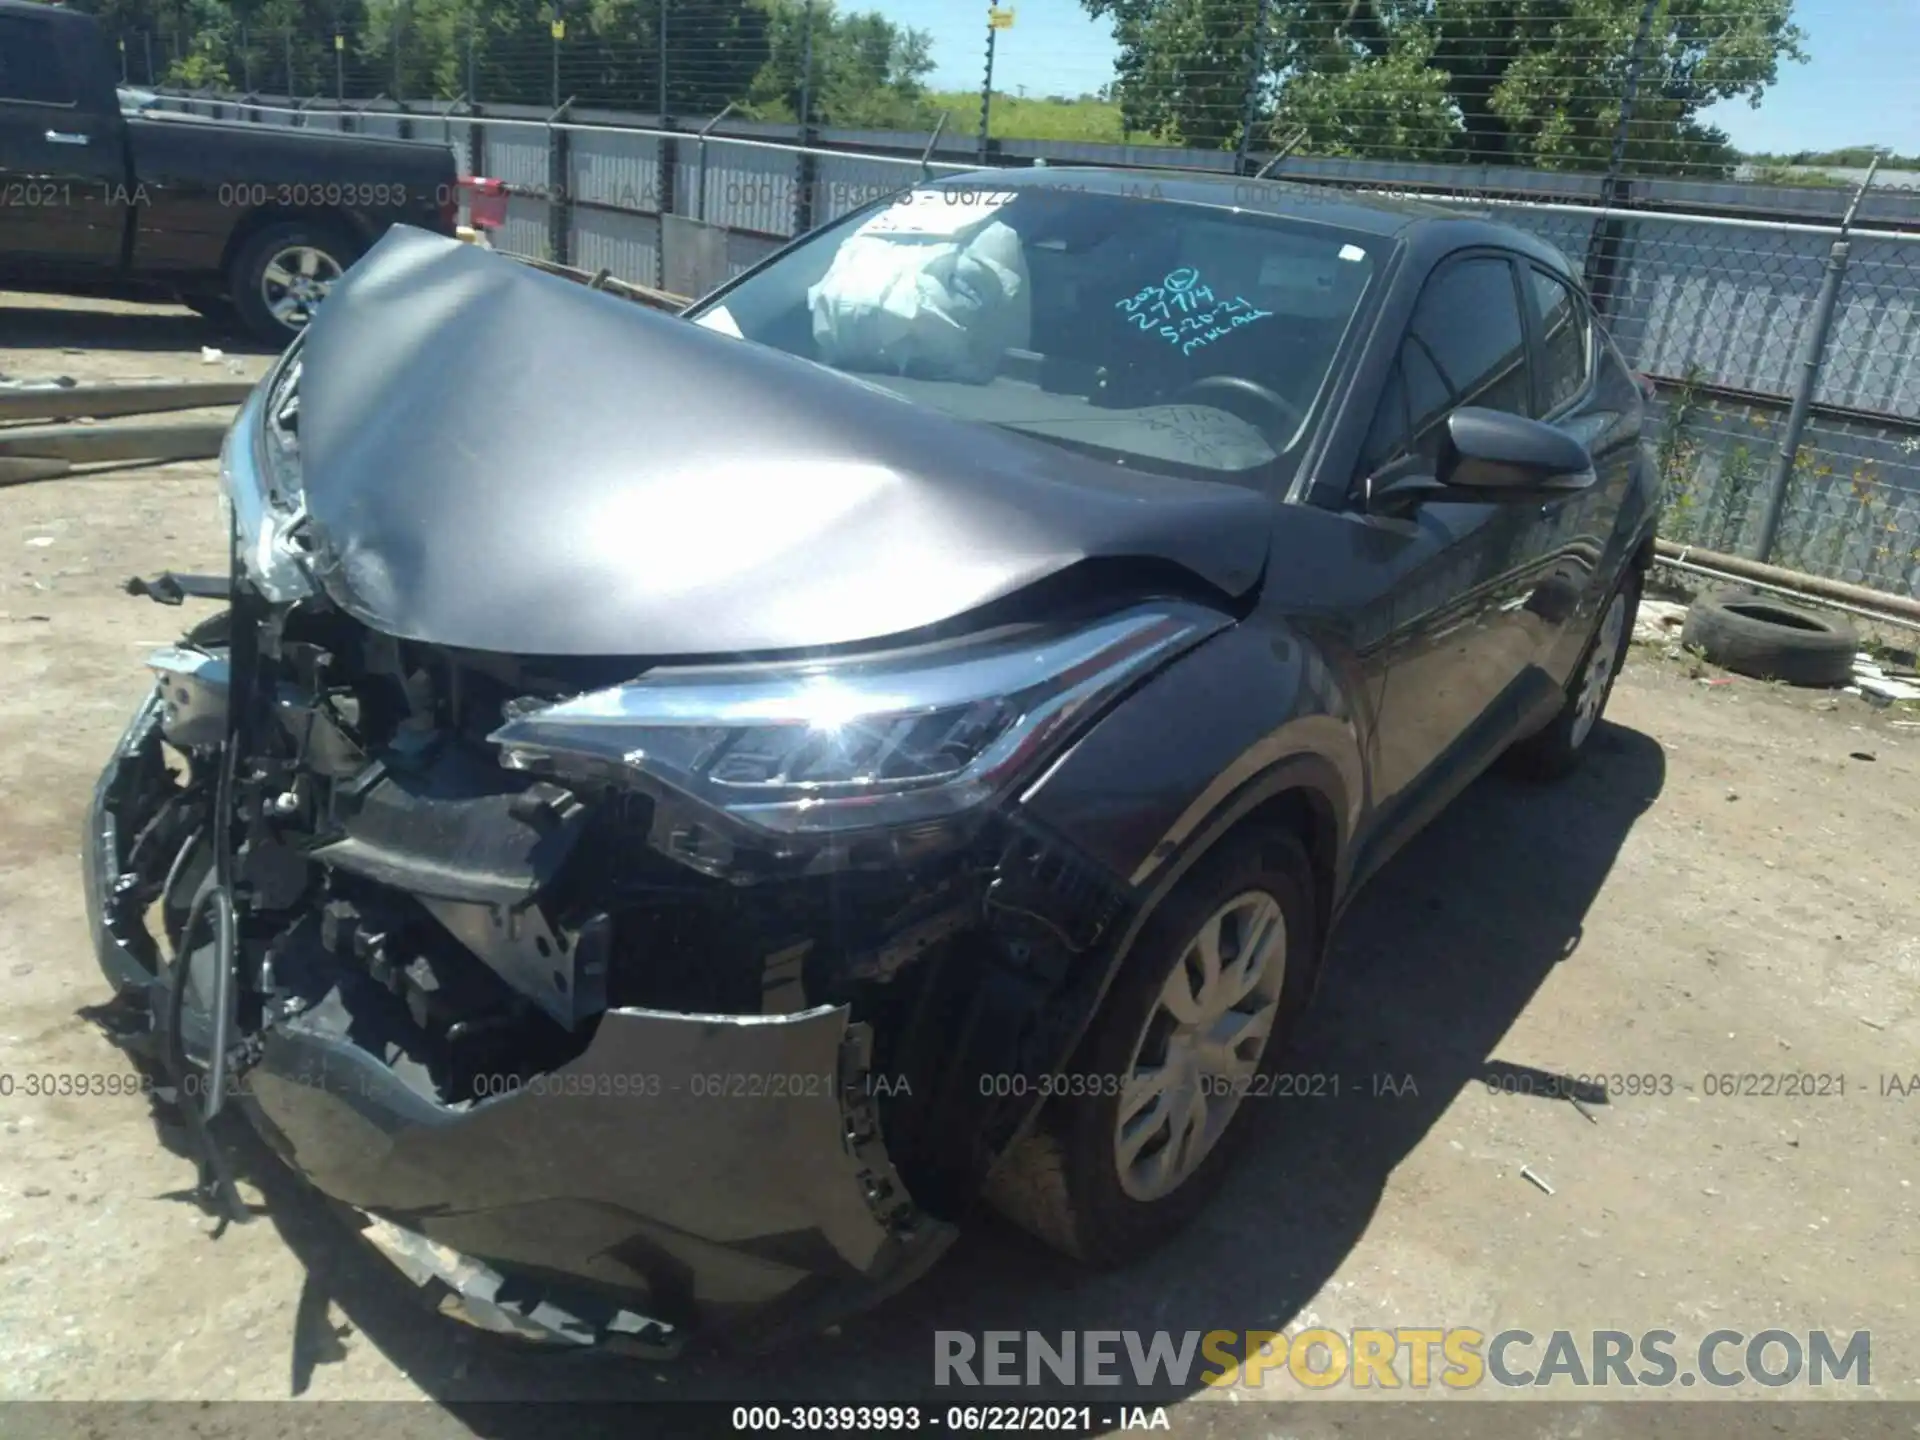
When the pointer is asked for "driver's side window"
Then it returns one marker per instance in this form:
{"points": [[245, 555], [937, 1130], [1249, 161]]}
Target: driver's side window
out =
{"points": [[1466, 345]]}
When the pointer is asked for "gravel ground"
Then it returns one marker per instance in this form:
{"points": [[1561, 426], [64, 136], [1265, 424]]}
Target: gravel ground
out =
{"points": [[1728, 887]]}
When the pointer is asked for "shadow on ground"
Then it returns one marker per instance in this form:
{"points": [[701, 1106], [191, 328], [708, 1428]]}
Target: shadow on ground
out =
{"points": [[162, 327], [1436, 961]]}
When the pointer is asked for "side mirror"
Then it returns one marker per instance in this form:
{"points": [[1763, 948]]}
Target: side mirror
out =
{"points": [[1497, 457]]}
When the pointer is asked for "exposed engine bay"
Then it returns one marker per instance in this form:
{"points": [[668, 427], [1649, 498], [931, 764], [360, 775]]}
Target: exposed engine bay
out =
{"points": [[467, 930]]}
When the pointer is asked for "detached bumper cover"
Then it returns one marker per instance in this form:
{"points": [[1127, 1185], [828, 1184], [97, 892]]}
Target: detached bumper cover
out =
{"points": [[719, 1173]]}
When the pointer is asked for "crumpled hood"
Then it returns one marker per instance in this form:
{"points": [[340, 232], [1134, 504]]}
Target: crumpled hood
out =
{"points": [[498, 459]]}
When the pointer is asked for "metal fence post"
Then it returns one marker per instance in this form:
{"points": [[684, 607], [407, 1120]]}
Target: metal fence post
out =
{"points": [[803, 170], [1812, 355], [559, 211], [1256, 64], [986, 90], [700, 163], [669, 150], [1603, 250], [476, 139]]}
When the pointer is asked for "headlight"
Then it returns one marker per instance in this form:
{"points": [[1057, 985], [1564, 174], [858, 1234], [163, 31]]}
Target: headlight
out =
{"points": [[826, 747], [259, 475]]}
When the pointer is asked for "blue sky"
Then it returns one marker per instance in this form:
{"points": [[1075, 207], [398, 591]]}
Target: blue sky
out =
{"points": [[1860, 85]]}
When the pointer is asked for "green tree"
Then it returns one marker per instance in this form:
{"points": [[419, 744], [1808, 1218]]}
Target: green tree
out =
{"points": [[867, 71], [1535, 82], [1398, 105], [1183, 66]]}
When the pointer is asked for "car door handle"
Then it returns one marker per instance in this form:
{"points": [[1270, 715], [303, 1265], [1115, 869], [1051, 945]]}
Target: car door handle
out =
{"points": [[68, 137]]}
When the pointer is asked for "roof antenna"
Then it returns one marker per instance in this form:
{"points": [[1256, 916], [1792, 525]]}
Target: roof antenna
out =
{"points": [[1291, 144]]}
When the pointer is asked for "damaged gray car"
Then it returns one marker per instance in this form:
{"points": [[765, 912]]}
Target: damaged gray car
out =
{"points": [[675, 811]]}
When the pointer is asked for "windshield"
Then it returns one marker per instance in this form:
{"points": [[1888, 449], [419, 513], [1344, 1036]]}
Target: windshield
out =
{"points": [[1170, 336]]}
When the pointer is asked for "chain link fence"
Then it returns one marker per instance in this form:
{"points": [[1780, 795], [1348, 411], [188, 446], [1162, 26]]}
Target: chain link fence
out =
{"points": [[674, 144]]}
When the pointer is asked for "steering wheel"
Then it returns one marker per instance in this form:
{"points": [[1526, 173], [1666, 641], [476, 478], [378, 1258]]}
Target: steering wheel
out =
{"points": [[1238, 386]]}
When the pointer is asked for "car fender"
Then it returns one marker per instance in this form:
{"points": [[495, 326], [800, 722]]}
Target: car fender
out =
{"points": [[1255, 711], [1231, 726]]}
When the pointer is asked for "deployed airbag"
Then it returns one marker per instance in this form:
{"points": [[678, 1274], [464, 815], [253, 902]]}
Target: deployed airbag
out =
{"points": [[930, 287]]}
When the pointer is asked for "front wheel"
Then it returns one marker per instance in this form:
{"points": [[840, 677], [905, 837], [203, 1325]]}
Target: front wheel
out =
{"points": [[281, 275], [1194, 1022]]}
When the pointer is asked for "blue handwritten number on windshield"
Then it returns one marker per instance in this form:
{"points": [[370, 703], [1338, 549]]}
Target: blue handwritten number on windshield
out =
{"points": [[1186, 313]]}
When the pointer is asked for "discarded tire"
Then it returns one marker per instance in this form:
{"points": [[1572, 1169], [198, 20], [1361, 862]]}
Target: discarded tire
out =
{"points": [[1769, 639]]}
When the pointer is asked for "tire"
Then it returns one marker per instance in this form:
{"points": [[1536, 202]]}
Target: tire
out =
{"points": [[1769, 639], [1063, 1182], [1558, 749], [252, 278]]}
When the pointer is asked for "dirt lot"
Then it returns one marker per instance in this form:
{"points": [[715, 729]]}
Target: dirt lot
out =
{"points": [[1729, 888]]}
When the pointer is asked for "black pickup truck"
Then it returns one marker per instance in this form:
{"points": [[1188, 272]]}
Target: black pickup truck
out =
{"points": [[240, 221]]}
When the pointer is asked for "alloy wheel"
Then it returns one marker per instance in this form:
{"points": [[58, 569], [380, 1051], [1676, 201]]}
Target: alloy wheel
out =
{"points": [[295, 281]]}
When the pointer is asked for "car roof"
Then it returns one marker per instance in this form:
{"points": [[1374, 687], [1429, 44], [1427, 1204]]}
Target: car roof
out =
{"points": [[1424, 226]]}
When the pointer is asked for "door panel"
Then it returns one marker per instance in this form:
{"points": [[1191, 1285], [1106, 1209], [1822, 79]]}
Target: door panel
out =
{"points": [[1452, 585], [1454, 579], [60, 165], [1582, 390]]}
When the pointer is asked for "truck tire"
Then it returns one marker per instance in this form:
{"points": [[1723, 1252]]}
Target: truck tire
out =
{"points": [[282, 273], [1769, 639], [1089, 1178]]}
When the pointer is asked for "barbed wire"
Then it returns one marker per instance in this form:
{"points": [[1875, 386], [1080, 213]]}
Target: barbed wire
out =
{"points": [[1605, 86], [1721, 311]]}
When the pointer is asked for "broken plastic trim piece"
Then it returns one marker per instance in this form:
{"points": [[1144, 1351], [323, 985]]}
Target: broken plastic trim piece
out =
{"points": [[480, 1296]]}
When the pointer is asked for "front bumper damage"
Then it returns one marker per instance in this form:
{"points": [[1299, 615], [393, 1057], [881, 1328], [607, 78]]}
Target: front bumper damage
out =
{"points": [[621, 1159]]}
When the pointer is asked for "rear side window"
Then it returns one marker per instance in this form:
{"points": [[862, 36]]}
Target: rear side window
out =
{"points": [[1466, 345], [1565, 337], [30, 68]]}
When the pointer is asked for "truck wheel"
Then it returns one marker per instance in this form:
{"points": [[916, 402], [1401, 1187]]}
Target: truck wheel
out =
{"points": [[283, 273], [1197, 1015]]}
